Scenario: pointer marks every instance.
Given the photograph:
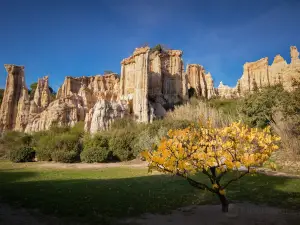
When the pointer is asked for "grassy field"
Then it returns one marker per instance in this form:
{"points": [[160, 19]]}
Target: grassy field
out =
{"points": [[96, 195]]}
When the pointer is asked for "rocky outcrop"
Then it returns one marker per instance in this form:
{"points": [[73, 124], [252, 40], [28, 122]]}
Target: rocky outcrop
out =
{"points": [[224, 91], [14, 109], [74, 100], [255, 75], [202, 83], [152, 78], [62, 112], [103, 114], [294, 55], [259, 74], [152, 81], [41, 97]]}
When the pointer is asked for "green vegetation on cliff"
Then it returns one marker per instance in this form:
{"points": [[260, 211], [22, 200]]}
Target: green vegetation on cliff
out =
{"points": [[1, 95]]}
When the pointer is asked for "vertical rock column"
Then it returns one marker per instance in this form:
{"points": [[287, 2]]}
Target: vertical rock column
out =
{"points": [[14, 109]]}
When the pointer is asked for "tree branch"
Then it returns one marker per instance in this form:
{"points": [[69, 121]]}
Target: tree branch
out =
{"points": [[235, 179]]}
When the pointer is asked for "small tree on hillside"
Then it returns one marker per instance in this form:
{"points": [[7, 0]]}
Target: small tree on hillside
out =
{"points": [[213, 152]]}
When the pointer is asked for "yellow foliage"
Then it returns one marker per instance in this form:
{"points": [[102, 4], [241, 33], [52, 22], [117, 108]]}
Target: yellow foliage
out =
{"points": [[222, 191], [193, 149], [215, 186]]}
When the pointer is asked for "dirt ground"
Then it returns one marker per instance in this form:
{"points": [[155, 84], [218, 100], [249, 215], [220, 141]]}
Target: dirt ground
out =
{"points": [[133, 163], [239, 214]]}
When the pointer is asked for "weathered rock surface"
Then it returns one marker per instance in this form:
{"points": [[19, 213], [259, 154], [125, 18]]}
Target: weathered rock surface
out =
{"points": [[15, 104], [259, 74], [41, 97], [226, 92], [103, 114], [62, 111], [151, 82]]}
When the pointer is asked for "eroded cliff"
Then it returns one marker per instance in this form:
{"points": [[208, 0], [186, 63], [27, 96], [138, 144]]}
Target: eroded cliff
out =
{"points": [[152, 81]]}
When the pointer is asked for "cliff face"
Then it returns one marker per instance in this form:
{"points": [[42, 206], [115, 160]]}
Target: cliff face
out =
{"points": [[74, 101], [151, 82], [259, 74], [41, 97], [226, 92], [15, 104]]}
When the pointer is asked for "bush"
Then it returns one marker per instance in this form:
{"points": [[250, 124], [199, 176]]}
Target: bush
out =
{"points": [[120, 145], [227, 106], [13, 140], [124, 123], [65, 156], [61, 147], [65, 148], [145, 141], [95, 154], [43, 148], [199, 110], [98, 140], [23, 154], [257, 108], [95, 148]]}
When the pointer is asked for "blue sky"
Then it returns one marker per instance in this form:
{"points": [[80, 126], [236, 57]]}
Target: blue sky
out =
{"points": [[60, 37]]}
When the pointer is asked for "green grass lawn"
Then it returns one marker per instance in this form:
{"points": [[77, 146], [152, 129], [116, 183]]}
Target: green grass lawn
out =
{"points": [[97, 194]]}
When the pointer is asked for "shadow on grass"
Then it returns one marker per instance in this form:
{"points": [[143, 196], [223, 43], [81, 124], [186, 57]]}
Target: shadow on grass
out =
{"points": [[94, 199]]}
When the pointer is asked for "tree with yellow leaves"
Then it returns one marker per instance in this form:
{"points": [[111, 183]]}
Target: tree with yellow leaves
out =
{"points": [[213, 152]]}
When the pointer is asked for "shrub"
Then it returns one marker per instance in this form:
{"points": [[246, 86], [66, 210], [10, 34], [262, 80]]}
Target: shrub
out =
{"points": [[61, 147], [257, 108], [227, 106], [196, 111], [43, 148], [22, 154], [95, 148], [95, 154], [65, 156], [145, 141], [123, 123], [120, 145], [12, 140], [65, 148], [98, 140], [77, 129]]}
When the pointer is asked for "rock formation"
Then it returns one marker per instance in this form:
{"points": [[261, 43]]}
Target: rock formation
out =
{"points": [[15, 104], [259, 74], [202, 83], [41, 97], [74, 101], [226, 92], [152, 81], [63, 112], [103, 114]]}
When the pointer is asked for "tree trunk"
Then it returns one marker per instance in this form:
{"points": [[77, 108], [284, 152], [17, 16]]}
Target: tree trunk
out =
{"points": [[224, 203]]}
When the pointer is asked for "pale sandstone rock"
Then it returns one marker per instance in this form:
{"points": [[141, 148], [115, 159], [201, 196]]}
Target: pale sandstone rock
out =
{"points": [[151, 82], [41, 97], [294, 55], [224, 91], [62, 111], [102, 115], [201, 82], [15, 104], [150, 75], [211, 91], [260, 74]]}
